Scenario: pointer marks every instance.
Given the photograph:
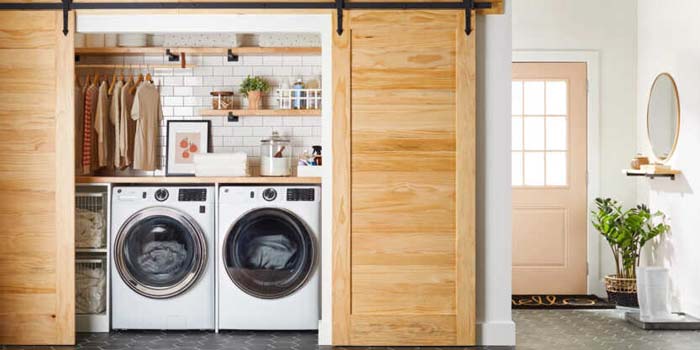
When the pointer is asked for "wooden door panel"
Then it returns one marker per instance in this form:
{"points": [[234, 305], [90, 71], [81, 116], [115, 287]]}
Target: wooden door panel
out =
{"points": [[404, 272], [36, 179]]}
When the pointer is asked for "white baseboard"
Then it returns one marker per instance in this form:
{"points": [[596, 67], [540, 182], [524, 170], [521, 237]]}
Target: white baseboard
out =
{"points": [[495, 333], [324, 333]]}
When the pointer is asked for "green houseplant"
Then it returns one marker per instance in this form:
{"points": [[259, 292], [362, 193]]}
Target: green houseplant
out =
{"points": [[253, 88], [626, 232]]}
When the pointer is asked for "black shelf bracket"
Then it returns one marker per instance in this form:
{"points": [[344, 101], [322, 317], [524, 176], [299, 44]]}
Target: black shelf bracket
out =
{"points": [[171, 56], [231, 117], [230, 56]]}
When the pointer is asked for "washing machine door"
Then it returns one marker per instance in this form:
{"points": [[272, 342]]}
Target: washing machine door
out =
{"points": [[269, 253], [160, 252]]}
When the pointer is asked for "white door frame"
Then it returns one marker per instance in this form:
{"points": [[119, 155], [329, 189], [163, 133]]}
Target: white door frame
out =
{"points": [[592, 60]]}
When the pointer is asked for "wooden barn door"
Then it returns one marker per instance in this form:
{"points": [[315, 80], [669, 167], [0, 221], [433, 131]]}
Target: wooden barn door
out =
{"points": [[404, 179], [36, 179]]}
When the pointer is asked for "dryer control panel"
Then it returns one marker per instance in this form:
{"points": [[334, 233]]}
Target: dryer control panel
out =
{"points": [[192, 195]]}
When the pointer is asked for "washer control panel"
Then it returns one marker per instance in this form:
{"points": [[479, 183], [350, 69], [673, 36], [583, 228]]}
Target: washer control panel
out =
{"points": [[161, 194], [192, 195], [300, 194]]}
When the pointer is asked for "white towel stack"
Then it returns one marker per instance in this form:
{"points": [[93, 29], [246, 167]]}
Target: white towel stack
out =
{"points": [[221, 164]]}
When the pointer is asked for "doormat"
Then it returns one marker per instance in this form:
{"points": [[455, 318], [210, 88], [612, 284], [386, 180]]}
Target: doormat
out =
{"points": [[554, 301]]}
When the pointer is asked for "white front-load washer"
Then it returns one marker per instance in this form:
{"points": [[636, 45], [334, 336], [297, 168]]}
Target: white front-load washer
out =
{"points": [[163, 272], [269, 240]]}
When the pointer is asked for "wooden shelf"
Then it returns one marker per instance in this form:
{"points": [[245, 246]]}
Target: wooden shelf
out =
{"points": [[240, 51], [262, 112], [196, 180]]}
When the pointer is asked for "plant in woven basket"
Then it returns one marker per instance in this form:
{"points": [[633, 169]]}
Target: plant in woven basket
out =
{"points": [[627, 231]]}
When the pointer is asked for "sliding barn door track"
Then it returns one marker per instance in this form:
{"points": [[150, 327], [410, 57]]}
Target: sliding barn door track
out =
{"points": [[339, 5]]}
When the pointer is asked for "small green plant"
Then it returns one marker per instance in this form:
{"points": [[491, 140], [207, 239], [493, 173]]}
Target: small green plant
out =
{"points": [[627, 231], [254, 84]]}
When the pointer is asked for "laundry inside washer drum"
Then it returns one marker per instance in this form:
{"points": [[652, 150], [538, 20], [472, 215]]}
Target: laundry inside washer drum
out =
{"points": [[274, 252], [162, 257]]}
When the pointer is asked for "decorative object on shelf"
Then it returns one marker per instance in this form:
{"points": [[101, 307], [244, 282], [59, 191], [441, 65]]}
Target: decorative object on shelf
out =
{"points": [[663, 117], [94, 40], [253, 88], [221, 164], [307, 98], [274, 156], [133, 40], [638, 161], [222, 100], [185, 138], [310, 164], [201, 40], [289, 40], [626, 231]]}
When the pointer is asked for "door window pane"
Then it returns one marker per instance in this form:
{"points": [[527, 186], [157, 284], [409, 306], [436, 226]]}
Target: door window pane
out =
{"points": [[556, 98], [517, 130], [534, 169], [534, 98], [556, 168], [556, 133], [534, 133], [517, 98], [517, 168]]}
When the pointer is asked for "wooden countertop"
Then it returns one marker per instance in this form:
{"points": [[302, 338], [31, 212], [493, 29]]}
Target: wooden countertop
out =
{"points": [[195, 180]]}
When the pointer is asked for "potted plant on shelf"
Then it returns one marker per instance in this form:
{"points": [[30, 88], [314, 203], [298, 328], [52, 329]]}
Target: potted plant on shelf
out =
{"points": [[626, 231], [253, 88]]}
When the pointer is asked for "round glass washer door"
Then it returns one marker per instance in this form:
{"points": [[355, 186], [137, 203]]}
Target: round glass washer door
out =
{"points": [[269, 253], [160, 252]]}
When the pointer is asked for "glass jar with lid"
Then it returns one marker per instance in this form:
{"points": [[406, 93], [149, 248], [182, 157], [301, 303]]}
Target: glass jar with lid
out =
{"points": [[222, 100], [275, 156]]}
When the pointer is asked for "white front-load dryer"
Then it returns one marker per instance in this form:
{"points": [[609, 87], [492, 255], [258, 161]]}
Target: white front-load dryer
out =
{"points": [[163, 272], [269, 240]]}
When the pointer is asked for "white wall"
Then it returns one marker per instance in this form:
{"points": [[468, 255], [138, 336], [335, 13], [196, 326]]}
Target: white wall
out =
{"points": [[668, 39], [493, 225], [609, 28]]}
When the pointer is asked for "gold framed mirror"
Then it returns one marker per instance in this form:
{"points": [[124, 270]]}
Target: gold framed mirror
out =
{"points": [[663, 117]]}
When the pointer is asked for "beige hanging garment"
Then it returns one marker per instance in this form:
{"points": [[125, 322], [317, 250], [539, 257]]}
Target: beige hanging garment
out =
{"points": [[114, 117], [148, 114], [127, 126], [102, 127]]}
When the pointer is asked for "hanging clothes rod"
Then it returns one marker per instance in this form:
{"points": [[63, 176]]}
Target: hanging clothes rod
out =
{"points": [[339, 5]]}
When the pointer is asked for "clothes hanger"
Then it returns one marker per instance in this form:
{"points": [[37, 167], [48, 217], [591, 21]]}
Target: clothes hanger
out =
{"points": [[121, 75], [113, 82], [148, 75], [96, 79]]}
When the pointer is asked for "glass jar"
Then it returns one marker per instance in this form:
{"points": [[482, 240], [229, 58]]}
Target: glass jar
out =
{"points": [[222, 100], [275, 156]]}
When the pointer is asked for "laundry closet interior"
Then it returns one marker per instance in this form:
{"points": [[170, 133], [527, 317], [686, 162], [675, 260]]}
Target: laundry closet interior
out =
{"points": [[168, 235]]}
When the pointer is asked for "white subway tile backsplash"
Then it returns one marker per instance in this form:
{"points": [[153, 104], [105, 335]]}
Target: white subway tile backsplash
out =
{"points": [[186, 92], [182, 91]]}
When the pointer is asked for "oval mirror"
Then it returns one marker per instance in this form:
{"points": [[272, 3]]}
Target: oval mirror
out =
{"points": [[663, 116]]}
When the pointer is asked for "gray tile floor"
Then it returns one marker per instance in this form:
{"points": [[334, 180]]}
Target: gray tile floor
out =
{"points": [[536, 329]]}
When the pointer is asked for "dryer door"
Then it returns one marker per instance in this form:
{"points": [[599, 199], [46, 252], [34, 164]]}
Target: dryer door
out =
{"points": [[160, 252], [269, 253]]}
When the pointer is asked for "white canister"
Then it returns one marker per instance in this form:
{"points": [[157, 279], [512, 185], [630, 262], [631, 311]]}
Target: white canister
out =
{"points": [[95, 40]]}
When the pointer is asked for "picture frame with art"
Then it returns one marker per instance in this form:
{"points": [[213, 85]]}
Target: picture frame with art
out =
{"points": [[184, 139]]}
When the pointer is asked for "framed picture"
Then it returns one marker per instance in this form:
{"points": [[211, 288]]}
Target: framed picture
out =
{"points": [[185, 139]]}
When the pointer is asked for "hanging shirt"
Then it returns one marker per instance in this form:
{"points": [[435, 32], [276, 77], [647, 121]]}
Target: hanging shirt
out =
{"points": [[127, 126], [89, 113], [148, 114], [114, 116], [102, 127]]}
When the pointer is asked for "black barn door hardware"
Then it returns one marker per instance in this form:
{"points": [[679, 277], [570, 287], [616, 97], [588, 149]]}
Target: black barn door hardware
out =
{"points": [[171, 56], [339, 5], [230, 56]]}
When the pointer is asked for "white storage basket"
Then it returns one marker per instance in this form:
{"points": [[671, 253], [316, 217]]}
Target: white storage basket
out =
{"points": [[90, 286], [303, 98], [90, 220]]}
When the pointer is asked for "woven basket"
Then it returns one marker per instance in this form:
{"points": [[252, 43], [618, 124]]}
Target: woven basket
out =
{"points": [[621, 291]]}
